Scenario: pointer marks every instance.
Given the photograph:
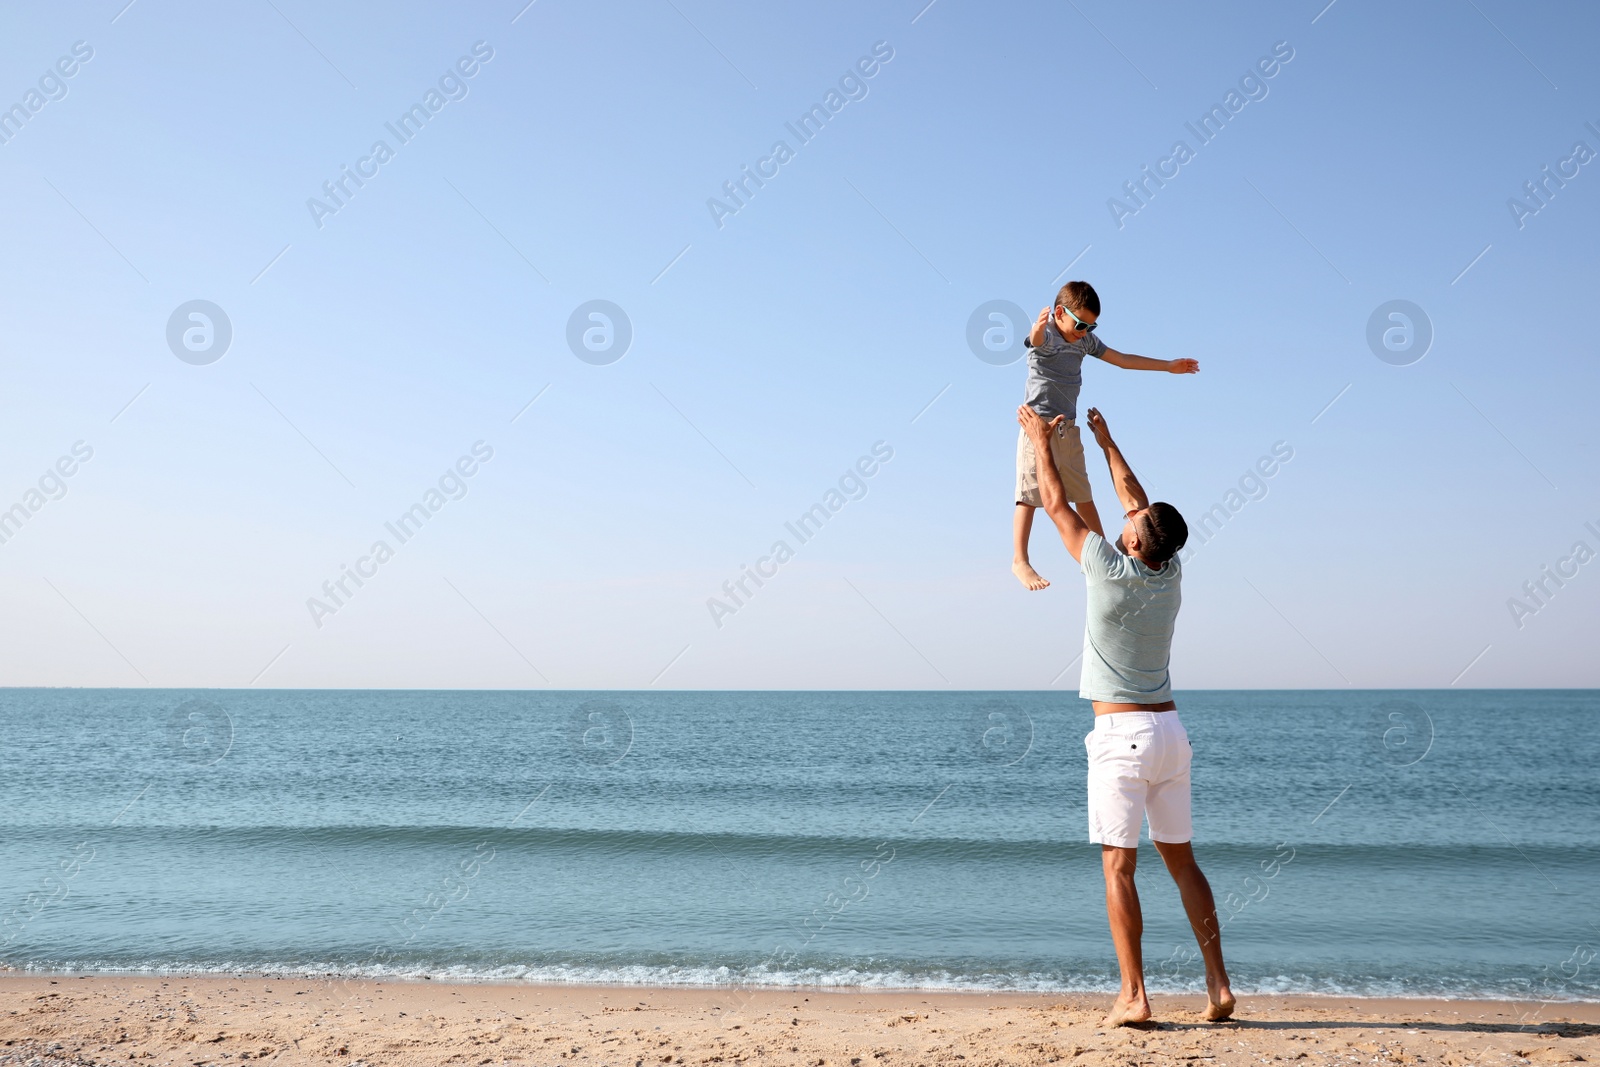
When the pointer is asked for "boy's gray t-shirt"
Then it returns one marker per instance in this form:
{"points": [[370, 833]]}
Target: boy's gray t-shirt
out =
{"points": [[1127, 638], [1055, 372]]}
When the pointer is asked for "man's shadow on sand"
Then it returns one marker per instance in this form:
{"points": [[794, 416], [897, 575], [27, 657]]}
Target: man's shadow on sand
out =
{"points": [[1549, 1029]]}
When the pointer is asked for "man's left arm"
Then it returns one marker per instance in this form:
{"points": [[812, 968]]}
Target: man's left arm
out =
{"points": [[1129, 491], [1131, 362]]}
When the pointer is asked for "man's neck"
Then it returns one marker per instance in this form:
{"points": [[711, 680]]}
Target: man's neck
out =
{"points": [[1134, 555]]}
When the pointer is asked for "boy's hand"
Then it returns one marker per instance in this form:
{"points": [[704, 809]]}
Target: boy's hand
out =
{"points": [[1036, 335], [1183, 366], [1097, 426]]}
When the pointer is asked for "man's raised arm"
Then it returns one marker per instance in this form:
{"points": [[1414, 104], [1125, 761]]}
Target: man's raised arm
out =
{"points": [[1129, 491], [1052, 495]]}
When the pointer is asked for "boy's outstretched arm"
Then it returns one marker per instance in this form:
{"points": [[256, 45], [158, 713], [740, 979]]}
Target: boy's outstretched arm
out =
{"points": [[1052, 495], [1131, 362], [1129, 491], [1036, 335]]}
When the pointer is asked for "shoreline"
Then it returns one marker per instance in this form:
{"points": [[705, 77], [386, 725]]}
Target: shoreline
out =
{"points": [[212, 1019], [8, 974]]}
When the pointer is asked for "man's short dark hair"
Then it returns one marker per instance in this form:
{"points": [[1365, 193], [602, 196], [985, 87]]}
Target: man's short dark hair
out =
{"points": [[1079, 296], [1162, 532]]}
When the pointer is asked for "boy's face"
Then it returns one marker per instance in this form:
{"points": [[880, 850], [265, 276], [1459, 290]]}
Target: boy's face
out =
{"points": [[1068, 327]]}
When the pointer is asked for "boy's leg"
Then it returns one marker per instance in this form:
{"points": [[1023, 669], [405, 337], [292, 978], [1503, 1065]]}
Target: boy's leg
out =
{"points": [[1201, 908], [1027, 498], [1021, 529], [1067, 450], [1090, 516]]}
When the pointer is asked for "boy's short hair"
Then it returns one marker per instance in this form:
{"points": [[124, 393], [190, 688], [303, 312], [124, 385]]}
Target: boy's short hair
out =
{"points": [[1162, 532], [1079, 296]]}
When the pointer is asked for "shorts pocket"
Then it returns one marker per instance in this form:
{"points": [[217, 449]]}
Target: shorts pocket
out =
{"points": [[1125, 749]]}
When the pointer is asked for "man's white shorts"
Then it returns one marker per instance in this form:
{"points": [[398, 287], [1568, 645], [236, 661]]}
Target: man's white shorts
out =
{"points": [[1138, 767]]}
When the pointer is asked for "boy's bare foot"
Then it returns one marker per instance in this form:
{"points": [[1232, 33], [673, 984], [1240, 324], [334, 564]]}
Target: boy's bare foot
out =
{"points": [[1219, 1002], [1027, 575], [1125, 1011]]}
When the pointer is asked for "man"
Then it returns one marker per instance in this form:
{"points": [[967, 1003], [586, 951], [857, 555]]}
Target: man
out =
{"points": [[1138, 753]]}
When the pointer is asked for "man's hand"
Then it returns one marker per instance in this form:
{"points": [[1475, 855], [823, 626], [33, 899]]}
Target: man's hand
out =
{"points": [[1183, 366], [1102, 432], [1035, 427]]}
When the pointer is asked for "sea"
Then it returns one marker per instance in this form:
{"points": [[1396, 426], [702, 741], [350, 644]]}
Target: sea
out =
{"points": [[1382, 843]]}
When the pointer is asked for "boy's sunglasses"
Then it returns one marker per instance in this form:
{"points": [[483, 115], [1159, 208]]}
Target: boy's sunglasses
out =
{"points": [[1086, 327]]}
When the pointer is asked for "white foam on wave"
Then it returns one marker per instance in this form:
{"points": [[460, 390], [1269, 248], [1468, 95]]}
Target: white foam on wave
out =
{"points": [[841, 978]]}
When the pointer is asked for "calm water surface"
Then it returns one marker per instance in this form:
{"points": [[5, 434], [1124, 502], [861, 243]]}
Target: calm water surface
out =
{"points": [[1411, 843]]}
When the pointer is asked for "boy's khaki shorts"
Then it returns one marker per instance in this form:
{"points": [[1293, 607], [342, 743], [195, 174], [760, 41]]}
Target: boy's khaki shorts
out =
{"points": [[1067, 451]]}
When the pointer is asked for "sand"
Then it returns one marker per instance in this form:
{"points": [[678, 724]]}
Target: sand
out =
{"points": [[46, 1021]]}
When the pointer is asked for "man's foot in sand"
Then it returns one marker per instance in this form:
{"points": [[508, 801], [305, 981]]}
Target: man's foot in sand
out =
{"points": [[1219, 1002], [1129, 1010], [1027, 575]]}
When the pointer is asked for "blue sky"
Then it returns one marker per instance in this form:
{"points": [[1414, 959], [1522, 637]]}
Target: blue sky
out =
{"points": [[373, 347]]}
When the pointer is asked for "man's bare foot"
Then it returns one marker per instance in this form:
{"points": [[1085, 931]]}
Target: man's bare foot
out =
{"points": [[1027, 575], [1125, 1011], [1219, 1002]]}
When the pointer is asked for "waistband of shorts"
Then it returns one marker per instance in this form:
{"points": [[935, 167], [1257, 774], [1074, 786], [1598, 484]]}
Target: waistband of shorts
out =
{"points": [[1160, 719]]}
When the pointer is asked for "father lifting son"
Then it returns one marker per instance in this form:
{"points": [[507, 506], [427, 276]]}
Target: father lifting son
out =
{"points": [[1138, 752]]}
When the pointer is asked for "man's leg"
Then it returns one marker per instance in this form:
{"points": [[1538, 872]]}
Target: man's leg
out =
{"points": [[1021, 530], [1127, 928], [1202, 912]]}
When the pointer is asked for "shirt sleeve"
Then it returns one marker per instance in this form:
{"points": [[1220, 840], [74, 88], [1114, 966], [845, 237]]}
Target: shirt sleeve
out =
{"points": [[1099, 558], [1093, 346], [1051, 343]]}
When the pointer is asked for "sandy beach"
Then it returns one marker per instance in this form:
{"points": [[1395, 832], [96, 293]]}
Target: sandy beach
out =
{"points": [[46, 1021]]}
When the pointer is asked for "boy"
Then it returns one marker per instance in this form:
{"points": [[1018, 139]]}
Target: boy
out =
{"points": [[1055, 374]]}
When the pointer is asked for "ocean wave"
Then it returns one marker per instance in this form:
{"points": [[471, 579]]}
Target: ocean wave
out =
{"points": [[842, 976], [729, 844]]}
